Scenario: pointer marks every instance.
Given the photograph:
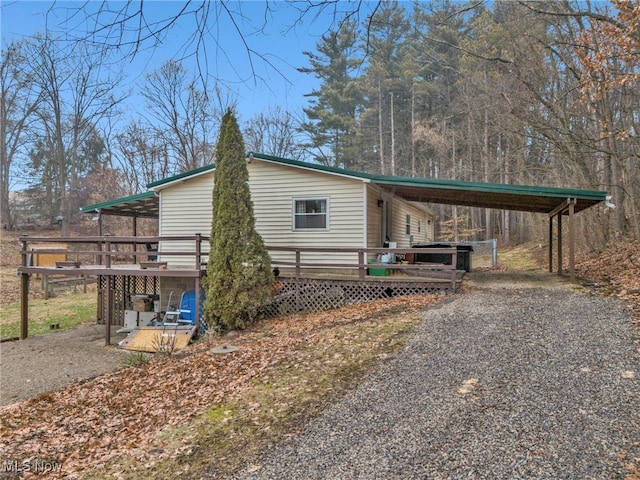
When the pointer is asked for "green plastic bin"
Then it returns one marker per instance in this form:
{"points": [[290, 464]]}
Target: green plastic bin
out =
{"points": [[377, 272]]}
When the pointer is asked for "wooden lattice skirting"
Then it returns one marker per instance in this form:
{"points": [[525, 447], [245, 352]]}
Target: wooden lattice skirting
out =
{"points": [[308, 295], [122, 287]]}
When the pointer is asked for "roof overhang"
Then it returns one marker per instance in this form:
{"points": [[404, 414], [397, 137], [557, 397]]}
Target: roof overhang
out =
{"points": [[145, 205], [181, 177], [548, 200], [488, 195]]}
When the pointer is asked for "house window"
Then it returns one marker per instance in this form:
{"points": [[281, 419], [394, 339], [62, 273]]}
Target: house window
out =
{"points": [[310, 213], [419, 226], [408, 225]]}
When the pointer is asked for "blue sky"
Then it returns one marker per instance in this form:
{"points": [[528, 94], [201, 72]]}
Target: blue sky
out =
{"points": [[272, 32]]}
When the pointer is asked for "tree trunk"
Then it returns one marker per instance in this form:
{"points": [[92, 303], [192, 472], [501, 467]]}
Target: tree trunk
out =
{"points": [[380, 131]]}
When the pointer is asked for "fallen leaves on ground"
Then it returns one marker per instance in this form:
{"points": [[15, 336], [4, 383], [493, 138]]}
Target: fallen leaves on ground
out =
{"points": [[616, 269], [88, 424]]}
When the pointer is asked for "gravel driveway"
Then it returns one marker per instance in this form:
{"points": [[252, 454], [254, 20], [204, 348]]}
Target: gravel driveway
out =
{"points": [[504, 383], [56, 360]]}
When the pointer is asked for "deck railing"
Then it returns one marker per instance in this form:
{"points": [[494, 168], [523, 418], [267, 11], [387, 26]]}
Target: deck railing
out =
{"points": [[108, 252]]}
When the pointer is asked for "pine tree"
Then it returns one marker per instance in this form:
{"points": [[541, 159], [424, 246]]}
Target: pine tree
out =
{"points": [[333, 112], [239, 277]]}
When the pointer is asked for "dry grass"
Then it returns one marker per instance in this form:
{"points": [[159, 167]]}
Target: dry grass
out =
{"points": [[68, 309]]}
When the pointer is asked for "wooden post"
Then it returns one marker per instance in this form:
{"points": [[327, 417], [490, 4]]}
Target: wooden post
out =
{"points": [[24, 294], [24, 306], [572, 241], [297, 262], [107, 320], [560, 243], [135, 234], [550, 244], [107, 247], [45, 285], [107, 296], [454, 266], [197, 286], [361, 269]]}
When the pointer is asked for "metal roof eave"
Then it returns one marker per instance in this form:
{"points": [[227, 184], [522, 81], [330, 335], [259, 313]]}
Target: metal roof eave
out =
{"points": [[365, 177], [425, 190], [487, 195], [144, 204], [165, 182]]}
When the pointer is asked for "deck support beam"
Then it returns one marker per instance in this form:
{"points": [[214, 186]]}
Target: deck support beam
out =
{"points": [[108, 311], [24, 291], [24, 305]]}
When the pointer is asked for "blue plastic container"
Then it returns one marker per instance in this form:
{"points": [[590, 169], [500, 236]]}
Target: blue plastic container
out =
{"points": [[188, 306]]}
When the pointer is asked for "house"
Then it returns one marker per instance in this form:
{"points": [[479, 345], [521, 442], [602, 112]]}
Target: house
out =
{"points": [[298, 204], [313, 219]]}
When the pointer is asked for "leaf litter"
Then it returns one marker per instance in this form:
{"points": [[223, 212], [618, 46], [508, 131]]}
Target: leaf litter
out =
{"points": [[122, 412]]}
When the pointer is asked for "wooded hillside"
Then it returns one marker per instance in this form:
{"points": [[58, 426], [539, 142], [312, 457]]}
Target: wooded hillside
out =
{"points": [[535, 93]]}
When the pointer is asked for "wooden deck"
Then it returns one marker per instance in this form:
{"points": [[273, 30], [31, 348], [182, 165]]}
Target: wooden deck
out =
{"points": [[108, 258]]}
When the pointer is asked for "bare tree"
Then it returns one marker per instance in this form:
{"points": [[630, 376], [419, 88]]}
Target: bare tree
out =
{"points": [[274, 133], [17, 105], [135, 27], [143, 157], [76, 95], [183, 115]]}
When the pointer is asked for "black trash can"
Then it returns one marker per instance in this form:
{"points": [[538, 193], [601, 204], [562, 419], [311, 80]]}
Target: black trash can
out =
{"points": [[463, 255]]}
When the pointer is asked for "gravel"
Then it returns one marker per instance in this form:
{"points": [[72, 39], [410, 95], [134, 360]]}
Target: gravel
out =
{"points": [[506, 383], [55, 360]]}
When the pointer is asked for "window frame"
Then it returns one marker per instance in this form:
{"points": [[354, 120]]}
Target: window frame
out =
{"points": [[294, 215]]}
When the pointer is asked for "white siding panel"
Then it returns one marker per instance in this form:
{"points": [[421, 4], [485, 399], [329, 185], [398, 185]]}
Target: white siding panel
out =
{"points": [[401, 209], [374, 217], [185, 209], [273, 188]]}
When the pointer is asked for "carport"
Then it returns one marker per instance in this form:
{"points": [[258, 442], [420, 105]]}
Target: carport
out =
{"points": [[141, 205], [556, 203]]}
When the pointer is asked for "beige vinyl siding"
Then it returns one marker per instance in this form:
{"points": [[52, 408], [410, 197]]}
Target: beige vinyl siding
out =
{"points": [[400, 210], [185, 209], [273, 188], [374, 217]]}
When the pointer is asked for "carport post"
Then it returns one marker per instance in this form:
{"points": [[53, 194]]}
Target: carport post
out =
{"points": [[550, 244], [560, 243], [572, 241]]}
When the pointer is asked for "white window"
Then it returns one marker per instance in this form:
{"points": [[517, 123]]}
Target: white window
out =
{"points": [[310, 213]]}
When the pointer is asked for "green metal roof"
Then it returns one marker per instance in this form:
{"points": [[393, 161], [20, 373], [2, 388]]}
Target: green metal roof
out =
{"points": [[181, 176], [456, 192], [312, 166], [427, 190], [488, 195], [140, 205]]}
